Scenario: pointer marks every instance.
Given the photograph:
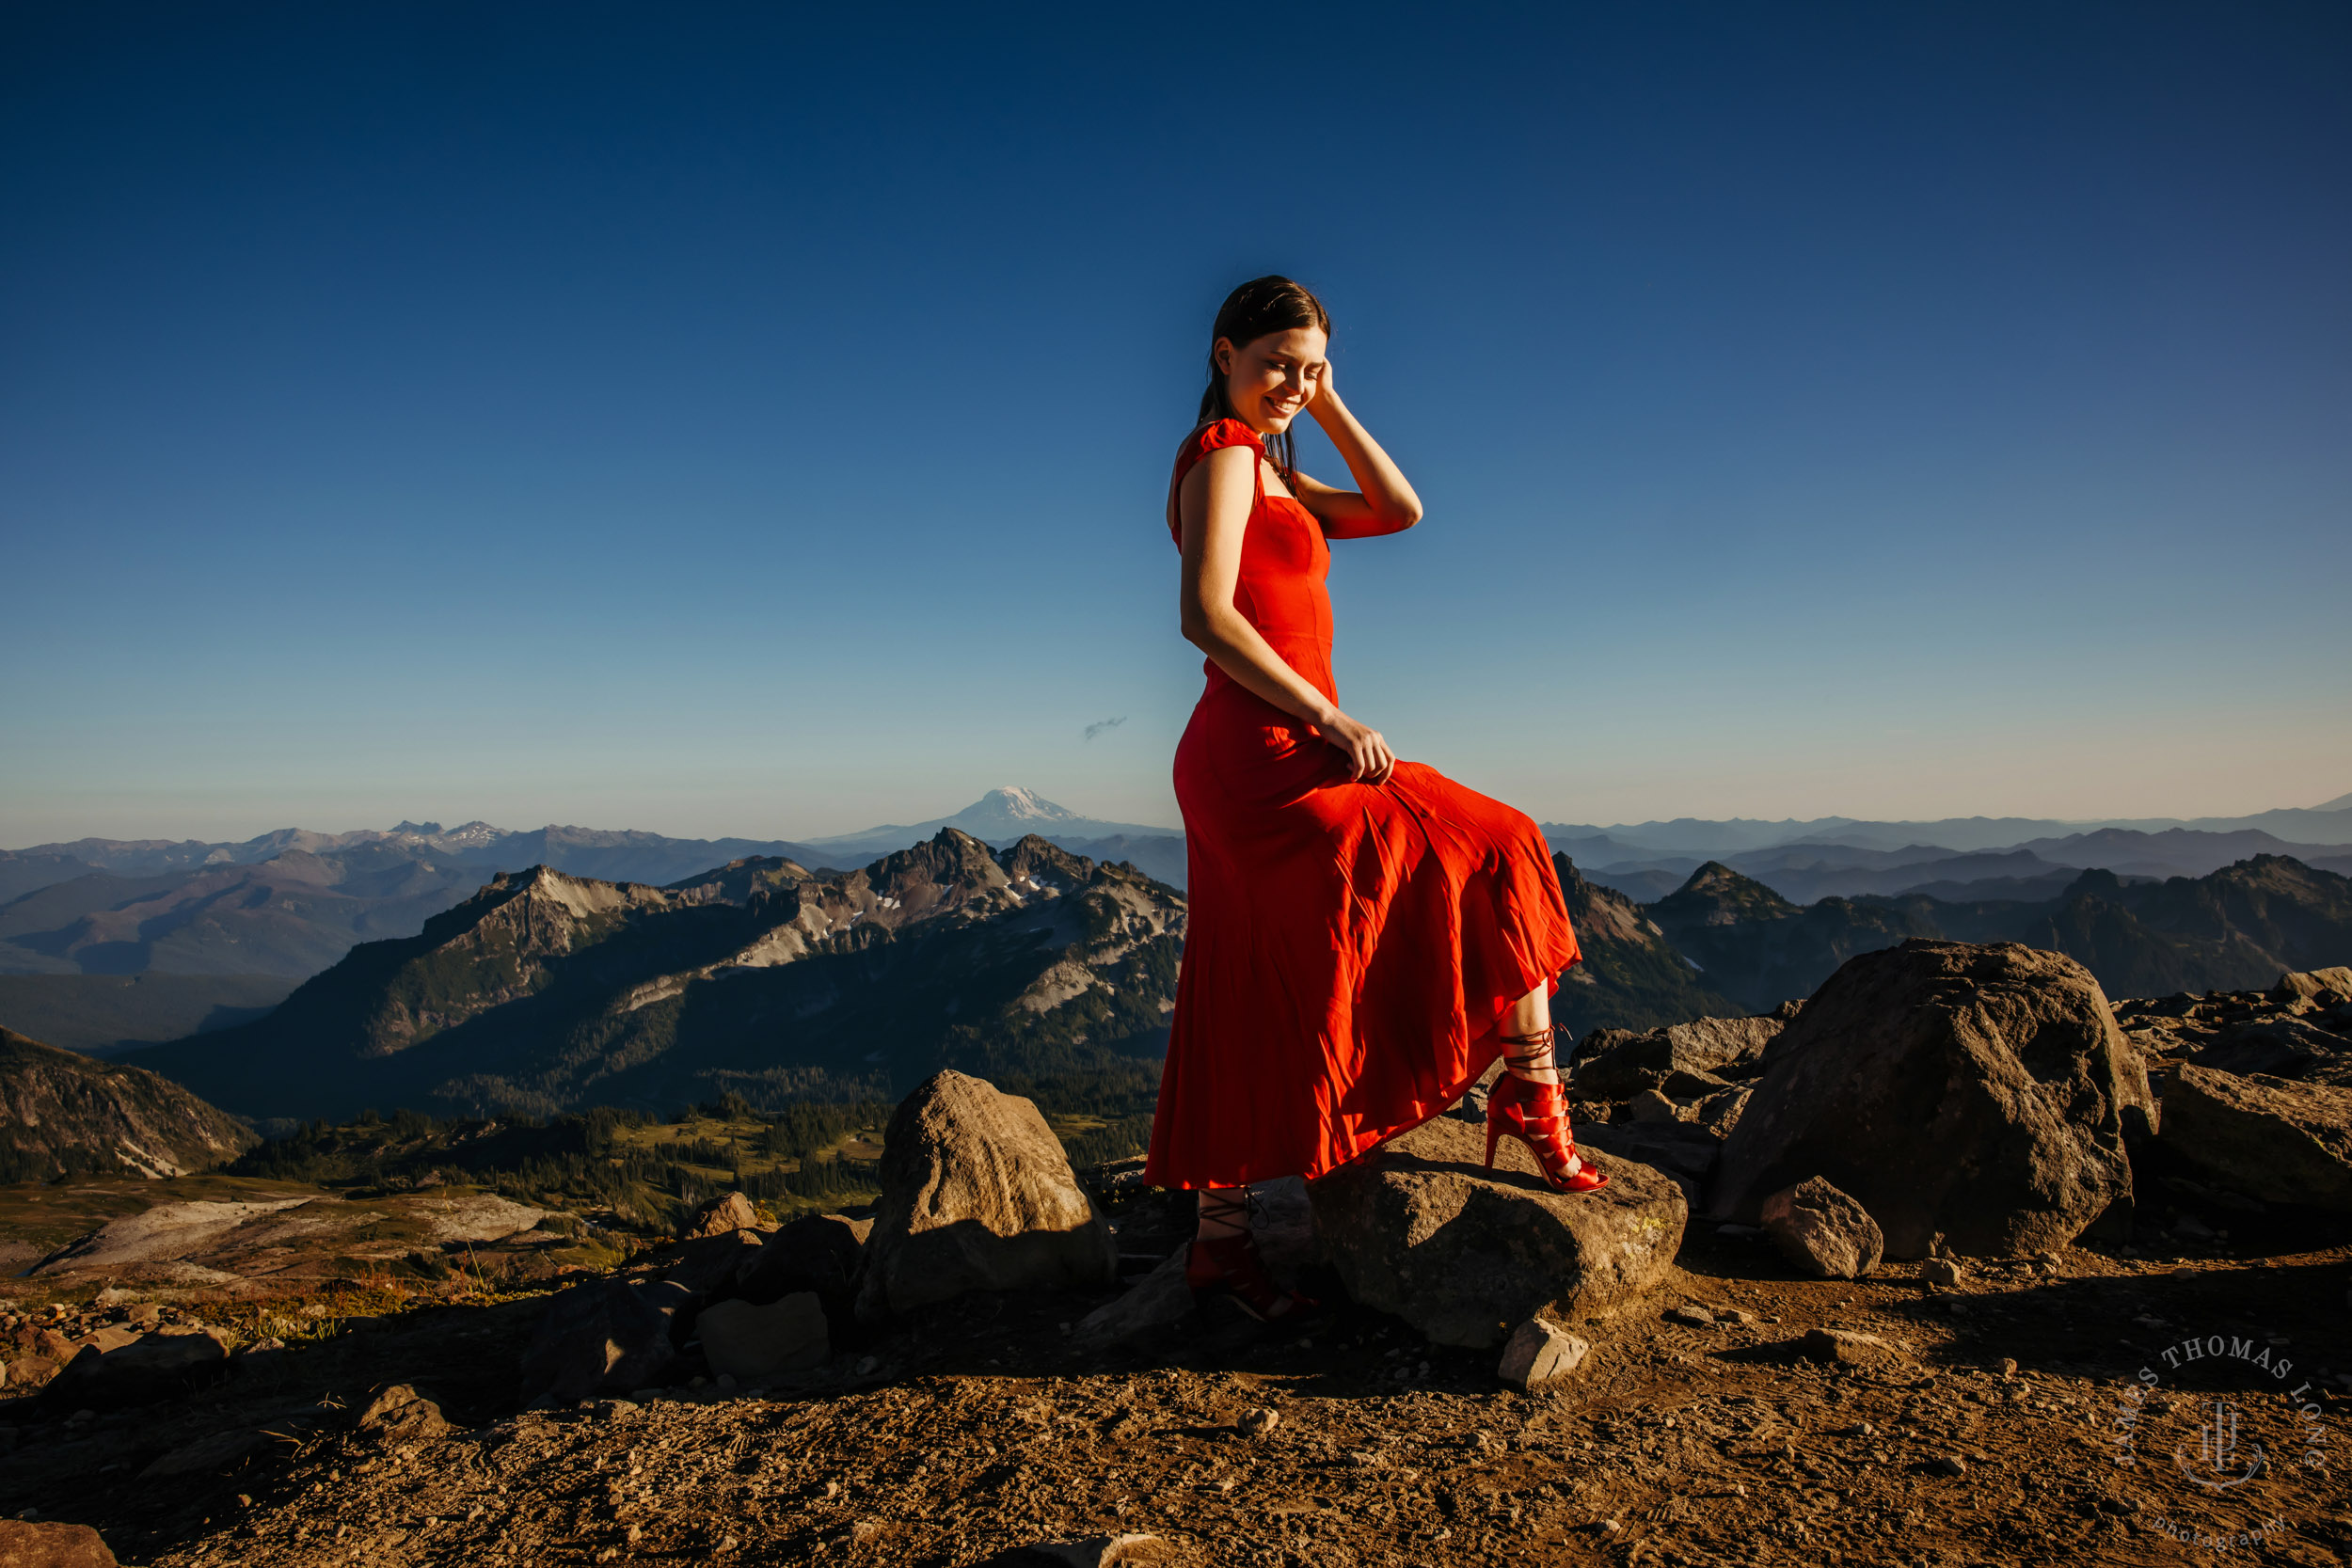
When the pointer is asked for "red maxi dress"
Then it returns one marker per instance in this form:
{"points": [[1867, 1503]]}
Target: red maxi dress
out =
{"points": [[1351, 949]]}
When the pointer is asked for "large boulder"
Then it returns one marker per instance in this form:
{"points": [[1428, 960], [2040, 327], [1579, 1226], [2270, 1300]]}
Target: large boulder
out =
{"points": [[816, 1253], [148, 1369], [2269, 1138], [1980, 1095], [753, 1343], [977, 1195], [733, 1211], [29, 1543], [1417, 1227], [605, 1337], [710, 1265], [1618, 1064]]}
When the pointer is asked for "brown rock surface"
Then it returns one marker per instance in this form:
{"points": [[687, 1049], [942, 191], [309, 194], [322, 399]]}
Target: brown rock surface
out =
{"points": [[978, 1195], [42, 1544], [1821, 1230], [400, 1414], [1977, 1093], [1418, 1228], [720, 1215], [815, 1252], [2305, 985], [2269, 1138], [754, 1344], [1618, 1064], [152, 1367], [605, 1337]]}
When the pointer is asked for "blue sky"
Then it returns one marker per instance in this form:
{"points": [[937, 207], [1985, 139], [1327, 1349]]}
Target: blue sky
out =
{"points": [[734, 419]]}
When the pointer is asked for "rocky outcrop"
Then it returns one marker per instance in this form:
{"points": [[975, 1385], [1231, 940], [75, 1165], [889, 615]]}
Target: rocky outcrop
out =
{"points": [[202, 1242], [816, 1253], [2282, 1046], [150, 1367], [64, 1114], [1684, 1151], [2267, 1138], [1159, 1300], [733, 1211], [1682, 1060], [1822, 1231], [754, 1344], [1978, 1095], [1418, 1228], [978, 1195], [607, 1337], [2320, 987], [40, 1543]]}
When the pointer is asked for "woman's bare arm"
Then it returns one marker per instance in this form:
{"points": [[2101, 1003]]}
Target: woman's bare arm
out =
{"points": [[1212, 508], [1383, 502]]}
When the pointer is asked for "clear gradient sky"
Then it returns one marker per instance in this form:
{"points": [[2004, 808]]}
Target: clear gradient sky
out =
{"points": [[754, 419]]}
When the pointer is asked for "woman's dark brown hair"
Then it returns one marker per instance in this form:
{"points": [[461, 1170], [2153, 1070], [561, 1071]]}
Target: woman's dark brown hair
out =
{"points": [[1259, 307]]}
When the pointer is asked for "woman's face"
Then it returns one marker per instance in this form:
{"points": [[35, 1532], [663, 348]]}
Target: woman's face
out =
{"points": [[1270, 379]]}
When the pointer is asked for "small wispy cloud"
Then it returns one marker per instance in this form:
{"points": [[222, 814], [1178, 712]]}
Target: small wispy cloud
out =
{"points": [[1100, 724]]}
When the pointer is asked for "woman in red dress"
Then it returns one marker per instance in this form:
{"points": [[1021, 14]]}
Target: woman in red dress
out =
{"points": [[1366, 936]]}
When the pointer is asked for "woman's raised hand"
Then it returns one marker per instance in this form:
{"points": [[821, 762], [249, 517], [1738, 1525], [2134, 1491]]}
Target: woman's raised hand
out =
{"points": [[1368, 755], [1324, 399]]}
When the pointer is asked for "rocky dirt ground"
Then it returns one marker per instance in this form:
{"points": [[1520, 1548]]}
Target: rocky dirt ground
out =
{"points": [[1693, 1434], [2181, 1398]]}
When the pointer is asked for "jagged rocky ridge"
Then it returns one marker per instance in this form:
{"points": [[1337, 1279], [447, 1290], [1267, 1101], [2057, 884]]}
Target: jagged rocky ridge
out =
{"points": [[544, 993], [64, 1114]]}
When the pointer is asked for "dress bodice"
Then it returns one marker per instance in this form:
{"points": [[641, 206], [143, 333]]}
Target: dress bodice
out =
{"points": [[1285, 562]]}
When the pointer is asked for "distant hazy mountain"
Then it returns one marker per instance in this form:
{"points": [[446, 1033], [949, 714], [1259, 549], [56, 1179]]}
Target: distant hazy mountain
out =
{"points": [[637, 857], [292, 915], [1000, 816], [545, 992], [1808, 869], [103, 1014], [2233, 929], [2327, 824]]}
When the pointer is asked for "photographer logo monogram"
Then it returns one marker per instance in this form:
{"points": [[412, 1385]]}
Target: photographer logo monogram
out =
{"points": [[2229, 1443]]}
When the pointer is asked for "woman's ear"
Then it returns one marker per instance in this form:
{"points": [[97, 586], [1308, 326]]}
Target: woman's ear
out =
{"points": [[1222, 353]]}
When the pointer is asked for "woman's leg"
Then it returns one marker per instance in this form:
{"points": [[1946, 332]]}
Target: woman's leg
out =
{"points": [[1225, 1260], [1224, 1212], [1528, 1049], [1532, 1105]]}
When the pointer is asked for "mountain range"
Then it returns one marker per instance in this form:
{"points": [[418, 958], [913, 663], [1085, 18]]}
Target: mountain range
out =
{"points": [[545, 992], [237, 925], [107, 945], [2329, 822], [2234, 929]]}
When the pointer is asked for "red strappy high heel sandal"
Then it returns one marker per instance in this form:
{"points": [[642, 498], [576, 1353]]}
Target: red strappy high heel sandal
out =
{"points": [[1229, 1266], [1537, 1115]]}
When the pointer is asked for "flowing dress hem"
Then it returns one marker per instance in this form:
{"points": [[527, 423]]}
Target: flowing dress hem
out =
{"points": [[1366, 1143]]}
